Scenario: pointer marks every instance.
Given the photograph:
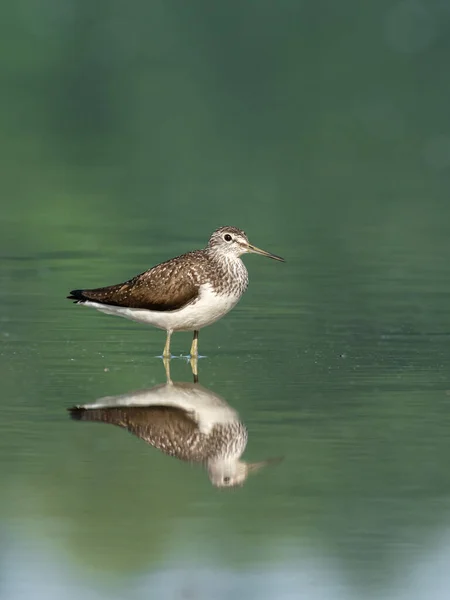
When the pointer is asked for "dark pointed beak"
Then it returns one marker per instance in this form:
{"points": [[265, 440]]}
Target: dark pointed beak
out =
{"points": [[257, 466], [255, 250]]}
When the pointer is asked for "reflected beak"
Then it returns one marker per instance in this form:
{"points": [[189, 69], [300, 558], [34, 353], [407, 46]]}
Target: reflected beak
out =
{"points": [[255, 467], [255, 250]]}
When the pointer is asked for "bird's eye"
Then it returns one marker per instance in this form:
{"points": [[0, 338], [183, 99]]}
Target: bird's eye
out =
{"points": [[226, 480], [227, 237]]}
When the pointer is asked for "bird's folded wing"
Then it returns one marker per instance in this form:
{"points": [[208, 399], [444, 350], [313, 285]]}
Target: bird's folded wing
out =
{"points": [[164, 427], [166, 287], [138, 418]]}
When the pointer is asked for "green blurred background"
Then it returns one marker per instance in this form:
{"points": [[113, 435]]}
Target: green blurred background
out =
{"points": [[128, 132]]}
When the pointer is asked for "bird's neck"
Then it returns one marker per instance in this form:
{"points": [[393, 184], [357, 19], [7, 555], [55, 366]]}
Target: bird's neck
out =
{"points": [[232, 438], [216, 255], [230, 269]]}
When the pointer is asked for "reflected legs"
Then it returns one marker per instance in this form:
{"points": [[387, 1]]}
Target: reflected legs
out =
{"points": [[166, 363], [194, 367]]}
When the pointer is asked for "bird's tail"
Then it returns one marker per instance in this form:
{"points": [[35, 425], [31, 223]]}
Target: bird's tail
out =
{"points": [[77, 295], [113, 415], [79, 413]]}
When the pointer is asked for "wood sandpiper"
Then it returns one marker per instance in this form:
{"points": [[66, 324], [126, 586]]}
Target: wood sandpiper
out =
{"points": [[185, 293]]}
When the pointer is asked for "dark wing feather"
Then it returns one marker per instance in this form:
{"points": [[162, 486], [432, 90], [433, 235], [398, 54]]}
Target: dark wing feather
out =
{"points": [[168, 286], [167, 428]]}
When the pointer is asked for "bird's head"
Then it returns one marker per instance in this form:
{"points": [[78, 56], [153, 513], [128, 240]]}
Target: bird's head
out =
{"points": [[231, 473], [233, 242]]}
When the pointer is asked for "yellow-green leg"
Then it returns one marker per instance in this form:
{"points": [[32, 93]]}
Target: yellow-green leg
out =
{"points": [[166, 353], [194, 347]]}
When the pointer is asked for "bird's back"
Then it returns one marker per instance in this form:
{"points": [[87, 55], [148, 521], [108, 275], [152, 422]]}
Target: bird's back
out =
{"points": [[172, 430], [167, 286]]}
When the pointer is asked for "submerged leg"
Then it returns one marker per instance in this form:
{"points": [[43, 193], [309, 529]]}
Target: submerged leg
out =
{"points": [[166, 353], [194, 347]]}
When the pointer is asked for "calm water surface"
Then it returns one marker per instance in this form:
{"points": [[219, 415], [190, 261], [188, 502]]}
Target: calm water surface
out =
{"points": [[126, 137], [357, 406]]}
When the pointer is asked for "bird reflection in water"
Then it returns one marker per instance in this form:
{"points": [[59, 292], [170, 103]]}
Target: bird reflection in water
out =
{"points": [[184, 420]]}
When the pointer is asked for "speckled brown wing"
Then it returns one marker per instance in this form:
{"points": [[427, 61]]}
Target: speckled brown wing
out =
{"points": [[169, 429], [168, 286]]}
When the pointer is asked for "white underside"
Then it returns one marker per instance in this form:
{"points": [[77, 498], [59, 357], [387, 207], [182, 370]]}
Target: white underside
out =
{"points": [[207, 408], [207, 309]]}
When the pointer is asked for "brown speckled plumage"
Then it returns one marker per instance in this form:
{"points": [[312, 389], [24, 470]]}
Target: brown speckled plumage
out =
{"points": [[183, 420], [186, 293], [176, 282], [169, 429]]}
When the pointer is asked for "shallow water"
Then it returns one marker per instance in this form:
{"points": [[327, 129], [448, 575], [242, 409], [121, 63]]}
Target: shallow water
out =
{"points": [[127, 139], [357, 407]]}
